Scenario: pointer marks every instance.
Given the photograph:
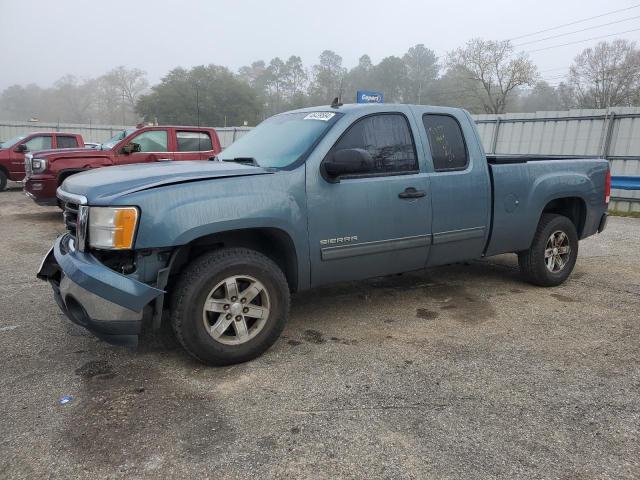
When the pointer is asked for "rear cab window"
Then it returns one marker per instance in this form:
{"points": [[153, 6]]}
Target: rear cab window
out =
{"points": [[189, 141], [446, 142], [66, 141], [388, 139]]}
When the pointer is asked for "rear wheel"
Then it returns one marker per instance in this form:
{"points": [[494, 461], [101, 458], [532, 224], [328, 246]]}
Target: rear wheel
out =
{"points": [[229, 306], [553, 252], [3, 181]]}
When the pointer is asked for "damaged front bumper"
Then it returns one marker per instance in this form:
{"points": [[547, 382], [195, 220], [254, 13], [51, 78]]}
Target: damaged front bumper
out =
{"points": [[110, 305]]}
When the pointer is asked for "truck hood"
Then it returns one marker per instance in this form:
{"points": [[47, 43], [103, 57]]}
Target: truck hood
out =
{"points": [[111, 182]]}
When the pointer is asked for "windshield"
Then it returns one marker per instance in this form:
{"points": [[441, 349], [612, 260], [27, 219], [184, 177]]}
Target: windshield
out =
{"points": [[12, 141], [109, 144], [282, 139]]}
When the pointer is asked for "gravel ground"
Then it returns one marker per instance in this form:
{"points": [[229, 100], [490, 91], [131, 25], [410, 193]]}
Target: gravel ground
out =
{"points": [[458, 372]]}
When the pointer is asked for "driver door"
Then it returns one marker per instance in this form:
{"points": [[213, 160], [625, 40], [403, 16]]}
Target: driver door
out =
{"points": [[35, 143], [377, 222], [154, 146]]}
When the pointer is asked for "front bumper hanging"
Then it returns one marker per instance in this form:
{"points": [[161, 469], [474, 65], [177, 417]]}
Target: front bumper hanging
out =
{"points": [[106, 303]]}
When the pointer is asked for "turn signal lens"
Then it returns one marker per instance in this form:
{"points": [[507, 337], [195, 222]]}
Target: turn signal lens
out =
{"points": [[112, 228], [607, 187]]}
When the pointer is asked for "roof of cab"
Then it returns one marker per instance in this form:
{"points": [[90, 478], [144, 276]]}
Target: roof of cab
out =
{"points": [[364, 107], [46, 132]]}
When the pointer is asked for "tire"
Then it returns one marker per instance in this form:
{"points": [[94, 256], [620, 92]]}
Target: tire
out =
{"points": [[3, 181], [545, 264], [207, 280]]}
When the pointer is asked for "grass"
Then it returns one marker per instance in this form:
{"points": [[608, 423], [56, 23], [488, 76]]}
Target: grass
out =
{"points": [[618, 213]]}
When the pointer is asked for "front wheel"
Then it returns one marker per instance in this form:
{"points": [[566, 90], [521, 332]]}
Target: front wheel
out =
{"points": [[229, 306], [553, 252], [3, 181]]}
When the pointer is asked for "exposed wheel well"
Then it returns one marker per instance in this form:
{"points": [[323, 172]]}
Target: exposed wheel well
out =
{"points": [[5, 171], [62, 176], [573, 208], [271, 242]]}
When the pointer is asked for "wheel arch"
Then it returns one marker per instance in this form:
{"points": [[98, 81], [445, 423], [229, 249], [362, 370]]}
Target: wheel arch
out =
{"points": [[274, 243], [66, 173], [572, 207]]}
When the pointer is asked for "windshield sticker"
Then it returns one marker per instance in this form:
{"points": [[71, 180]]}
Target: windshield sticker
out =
{"points": [[323, 116]]}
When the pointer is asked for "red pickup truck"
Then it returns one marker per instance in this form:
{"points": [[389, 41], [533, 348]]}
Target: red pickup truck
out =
{"points": [[12, 151], [47, 169]]}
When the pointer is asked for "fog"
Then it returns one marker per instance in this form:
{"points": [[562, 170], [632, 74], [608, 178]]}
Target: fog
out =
{"points": [[40, 41]]}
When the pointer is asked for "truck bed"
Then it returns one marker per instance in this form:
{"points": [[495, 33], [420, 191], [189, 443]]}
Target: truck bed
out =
{"points": [[522, 185]]}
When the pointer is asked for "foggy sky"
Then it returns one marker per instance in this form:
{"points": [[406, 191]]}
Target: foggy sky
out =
{"points": [[40, 41]]}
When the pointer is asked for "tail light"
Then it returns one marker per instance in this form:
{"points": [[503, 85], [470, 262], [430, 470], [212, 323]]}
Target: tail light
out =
{"points": [[607, 187]]}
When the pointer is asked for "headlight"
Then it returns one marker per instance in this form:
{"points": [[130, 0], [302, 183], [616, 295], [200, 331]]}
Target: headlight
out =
{"points": [[112, 228], [38, 165]]}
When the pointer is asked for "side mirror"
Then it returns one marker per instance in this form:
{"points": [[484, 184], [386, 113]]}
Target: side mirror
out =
{"points": [[350, 161], [22, 148], [131, 148]]}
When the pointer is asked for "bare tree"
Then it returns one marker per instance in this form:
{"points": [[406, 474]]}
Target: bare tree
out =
{"points": [[606, 75], [495, 66], [127, 85]]}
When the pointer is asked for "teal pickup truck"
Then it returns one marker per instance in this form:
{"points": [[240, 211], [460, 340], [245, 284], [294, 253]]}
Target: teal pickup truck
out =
{"points": [[309, 197]]}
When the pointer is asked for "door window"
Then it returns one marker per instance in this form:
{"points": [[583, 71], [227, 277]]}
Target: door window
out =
{"points": [[67, 141], [193, 141], [39, 143], [388, 140], [446, 141], [152, 141]]}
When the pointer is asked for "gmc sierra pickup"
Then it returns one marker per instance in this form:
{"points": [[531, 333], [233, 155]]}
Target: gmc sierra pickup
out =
{"points": [[14, 150], [307, 198], [46, 170]]}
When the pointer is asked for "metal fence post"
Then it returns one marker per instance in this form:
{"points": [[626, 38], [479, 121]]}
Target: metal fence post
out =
{"points": [[494, 140], [608, 135]]}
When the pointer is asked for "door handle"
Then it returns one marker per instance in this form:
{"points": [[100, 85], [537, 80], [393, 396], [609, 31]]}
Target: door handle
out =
{"points": [[411, 192]]}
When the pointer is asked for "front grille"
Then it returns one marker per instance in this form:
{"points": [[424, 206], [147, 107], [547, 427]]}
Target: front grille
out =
{"points": [[71, 218], [76, 216], [27, 164]]}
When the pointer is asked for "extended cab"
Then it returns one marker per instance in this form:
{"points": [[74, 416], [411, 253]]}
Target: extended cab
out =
{"points": [[307, 198], [47, 169], [12, 151]]}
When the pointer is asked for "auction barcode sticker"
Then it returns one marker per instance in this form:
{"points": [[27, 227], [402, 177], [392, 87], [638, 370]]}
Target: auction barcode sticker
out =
{"points": [[324, 116]]}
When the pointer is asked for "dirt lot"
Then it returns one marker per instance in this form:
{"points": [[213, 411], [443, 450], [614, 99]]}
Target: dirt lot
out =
{"points": [[459, 372]]}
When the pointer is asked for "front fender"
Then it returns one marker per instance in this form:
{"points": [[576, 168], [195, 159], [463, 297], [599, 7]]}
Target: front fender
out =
{"points": [[178, 214], [59, 165]]}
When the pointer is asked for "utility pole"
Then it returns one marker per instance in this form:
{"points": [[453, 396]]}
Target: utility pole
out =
{"points": [[123, 115]]}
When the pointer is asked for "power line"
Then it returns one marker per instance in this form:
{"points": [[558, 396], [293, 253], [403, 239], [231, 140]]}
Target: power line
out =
{"points": [[575, 22], [553, 69], [581, 41], [578, 31], [625, 69]]}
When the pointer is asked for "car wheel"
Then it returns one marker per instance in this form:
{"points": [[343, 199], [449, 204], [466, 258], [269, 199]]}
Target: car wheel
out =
{"points": [[553, 252], [3, 181], [229, 306]]}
